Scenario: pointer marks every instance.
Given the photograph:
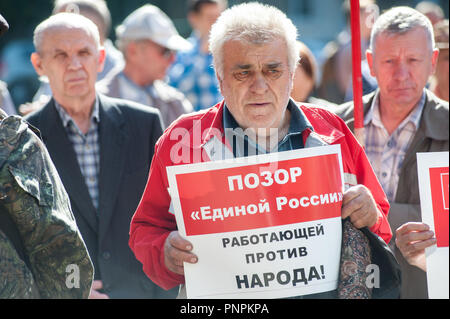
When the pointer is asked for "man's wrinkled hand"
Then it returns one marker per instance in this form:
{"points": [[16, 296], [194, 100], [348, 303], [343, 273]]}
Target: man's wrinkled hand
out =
{"points": [[359, 205], [412, 239], [177, 250]]}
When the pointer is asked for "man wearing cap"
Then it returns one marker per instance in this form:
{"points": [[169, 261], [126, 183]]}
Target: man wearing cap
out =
{"points": [[102, 148], [148, 39], [401, 119]]}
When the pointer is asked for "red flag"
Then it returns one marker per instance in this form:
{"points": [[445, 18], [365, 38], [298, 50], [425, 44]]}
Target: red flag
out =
{"points": [[356, 71]]}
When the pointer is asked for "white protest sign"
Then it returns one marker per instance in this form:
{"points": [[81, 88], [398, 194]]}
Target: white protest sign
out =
{"points": [[266, 226], [433, 174]]}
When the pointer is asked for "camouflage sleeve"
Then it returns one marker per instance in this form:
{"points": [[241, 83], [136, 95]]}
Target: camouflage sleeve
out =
{"points": [[34, 196], [16, 280]]}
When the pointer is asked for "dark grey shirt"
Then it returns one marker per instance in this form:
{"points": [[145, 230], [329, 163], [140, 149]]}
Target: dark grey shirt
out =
{"points": [[244, 146]]}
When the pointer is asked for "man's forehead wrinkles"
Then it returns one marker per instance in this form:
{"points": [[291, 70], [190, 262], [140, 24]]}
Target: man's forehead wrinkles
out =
{"points": [[260, 56], [68, 49], [246, 66]]}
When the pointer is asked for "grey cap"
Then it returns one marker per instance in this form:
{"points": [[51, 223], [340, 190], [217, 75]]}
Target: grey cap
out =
{"points": [[149, 22]]}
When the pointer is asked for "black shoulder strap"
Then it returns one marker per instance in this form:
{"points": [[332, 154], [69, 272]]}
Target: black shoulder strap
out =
{"points": [[9, 228]]}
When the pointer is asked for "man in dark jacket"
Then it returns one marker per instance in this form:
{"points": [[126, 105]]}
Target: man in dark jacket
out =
{"points": [[102, 148]]}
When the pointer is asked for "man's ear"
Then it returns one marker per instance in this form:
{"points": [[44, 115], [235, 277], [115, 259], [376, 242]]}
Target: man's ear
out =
{"points": [[101, 59], [219, 79], [131, 50], [369, 57], [434, 60], [291, 83], [193, 20], [36, 61]]}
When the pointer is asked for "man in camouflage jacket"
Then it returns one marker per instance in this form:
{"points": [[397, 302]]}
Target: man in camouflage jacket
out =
{"points": [[42, 254]]}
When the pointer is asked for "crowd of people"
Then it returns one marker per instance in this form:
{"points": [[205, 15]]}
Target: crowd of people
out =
{"points": [[83, 174]]}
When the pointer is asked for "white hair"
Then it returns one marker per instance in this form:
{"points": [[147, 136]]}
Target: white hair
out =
{"points": [[65, 20], [252, 23], [400, 20]]}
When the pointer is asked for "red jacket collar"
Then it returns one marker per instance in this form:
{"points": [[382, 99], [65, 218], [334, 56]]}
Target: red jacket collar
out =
{"points": [[208, 124], [322, 126]]}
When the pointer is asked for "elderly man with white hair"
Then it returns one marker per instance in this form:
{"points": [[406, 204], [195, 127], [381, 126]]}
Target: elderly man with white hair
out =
{"points": [[402, 118], [255, 56], [97, 11], [102, 148]]}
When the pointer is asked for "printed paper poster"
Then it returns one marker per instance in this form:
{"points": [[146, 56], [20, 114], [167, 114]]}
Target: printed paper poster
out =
{"points": [[267, 226]]}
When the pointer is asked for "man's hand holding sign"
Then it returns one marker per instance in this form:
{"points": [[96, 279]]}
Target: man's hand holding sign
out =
{"points": [[358, 204], [177, 251]]}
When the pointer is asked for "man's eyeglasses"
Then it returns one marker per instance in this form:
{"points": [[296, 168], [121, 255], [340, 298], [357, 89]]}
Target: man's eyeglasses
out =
{"points": [[167, 53]]}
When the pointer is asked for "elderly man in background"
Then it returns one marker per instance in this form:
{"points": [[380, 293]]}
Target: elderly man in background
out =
{"points": [[102, 148], [255, 57], [402, 118], [148, 40], [431, 10], [97, 11]]}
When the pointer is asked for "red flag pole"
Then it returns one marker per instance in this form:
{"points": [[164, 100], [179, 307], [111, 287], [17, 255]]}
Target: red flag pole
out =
{"points": [[356, 71]]}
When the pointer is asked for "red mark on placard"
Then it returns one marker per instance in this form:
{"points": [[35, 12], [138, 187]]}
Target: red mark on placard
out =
{"points": [[439, 182]]}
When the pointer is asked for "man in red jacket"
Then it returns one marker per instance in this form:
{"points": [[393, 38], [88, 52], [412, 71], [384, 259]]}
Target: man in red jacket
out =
{"points": [[255, 56]]}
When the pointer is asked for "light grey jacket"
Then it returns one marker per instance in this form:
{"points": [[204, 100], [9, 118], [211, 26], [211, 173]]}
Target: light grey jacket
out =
{"points": [[170, 102], [432, 136]]}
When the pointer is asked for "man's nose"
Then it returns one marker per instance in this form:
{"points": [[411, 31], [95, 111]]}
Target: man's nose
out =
{"points": [[74, 62], [259, 84], [401, 71]]}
